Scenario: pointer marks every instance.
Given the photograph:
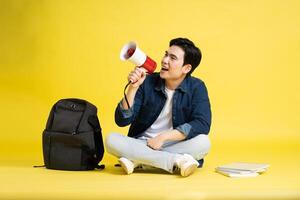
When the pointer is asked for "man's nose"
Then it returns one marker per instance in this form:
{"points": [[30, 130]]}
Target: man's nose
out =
{"points": [[165, 60]]}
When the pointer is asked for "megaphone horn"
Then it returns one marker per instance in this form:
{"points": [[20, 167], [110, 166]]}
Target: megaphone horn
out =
{"points": [[134, 54]]}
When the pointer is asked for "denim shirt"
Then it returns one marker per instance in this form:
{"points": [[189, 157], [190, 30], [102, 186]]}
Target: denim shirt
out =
{"points": [[191, 114]]}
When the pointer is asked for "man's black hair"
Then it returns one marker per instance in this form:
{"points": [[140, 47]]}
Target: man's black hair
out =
{"points": [[192, 54]]}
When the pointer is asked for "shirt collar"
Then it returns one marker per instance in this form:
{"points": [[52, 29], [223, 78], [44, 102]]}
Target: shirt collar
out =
{"points": [[160, 85], [184, 84]]}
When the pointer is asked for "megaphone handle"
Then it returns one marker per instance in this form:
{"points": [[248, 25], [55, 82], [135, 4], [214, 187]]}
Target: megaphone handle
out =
{"points": [[129, 82]]}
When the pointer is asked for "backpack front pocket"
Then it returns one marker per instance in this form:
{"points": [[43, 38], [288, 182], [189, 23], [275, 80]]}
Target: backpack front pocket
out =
{"points": [[63, 151]]}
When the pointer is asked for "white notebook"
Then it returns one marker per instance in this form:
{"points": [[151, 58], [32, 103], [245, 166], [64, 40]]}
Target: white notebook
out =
{"points": [[238, 175], [239, 169], [241, 166]]}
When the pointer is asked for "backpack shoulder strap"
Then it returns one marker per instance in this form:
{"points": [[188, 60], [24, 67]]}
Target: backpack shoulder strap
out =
{"points": [[94, 122], [89, 111], [92, 116]]}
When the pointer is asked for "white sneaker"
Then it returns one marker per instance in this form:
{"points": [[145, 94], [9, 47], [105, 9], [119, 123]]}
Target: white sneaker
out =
{"points": [[127, 165], [187, 164]]}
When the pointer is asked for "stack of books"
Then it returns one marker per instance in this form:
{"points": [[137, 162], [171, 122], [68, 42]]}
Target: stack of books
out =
{"points": [[239, 169]]}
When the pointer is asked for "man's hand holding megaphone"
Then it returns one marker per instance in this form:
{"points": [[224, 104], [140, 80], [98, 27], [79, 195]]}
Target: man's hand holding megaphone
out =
{"points": [[144, 63], [137, 77]]}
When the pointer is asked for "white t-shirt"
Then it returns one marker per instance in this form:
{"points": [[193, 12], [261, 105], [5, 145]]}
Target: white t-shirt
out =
{"points": [[164, 120]]}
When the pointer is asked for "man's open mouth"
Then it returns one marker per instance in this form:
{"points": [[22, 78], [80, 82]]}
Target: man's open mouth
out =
{"points": [[164, 69]]}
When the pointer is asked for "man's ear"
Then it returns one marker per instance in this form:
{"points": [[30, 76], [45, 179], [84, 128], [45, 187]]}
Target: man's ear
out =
{"points": [[187, 68]]}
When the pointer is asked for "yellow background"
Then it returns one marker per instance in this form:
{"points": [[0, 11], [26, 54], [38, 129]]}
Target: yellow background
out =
{"points": [[55, 49], [59, 49]]}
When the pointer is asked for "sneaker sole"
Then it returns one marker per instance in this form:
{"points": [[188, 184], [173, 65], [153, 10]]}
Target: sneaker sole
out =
{"points": [[189, 170], [124, 165]]}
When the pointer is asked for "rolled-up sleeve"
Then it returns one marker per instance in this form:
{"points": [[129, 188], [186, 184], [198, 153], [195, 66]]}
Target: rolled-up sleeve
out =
{"points": [[184, 128], [126, 113], [124, 117]]}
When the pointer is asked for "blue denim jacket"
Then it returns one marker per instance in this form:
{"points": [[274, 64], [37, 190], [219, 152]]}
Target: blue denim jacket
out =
{"points": [[191, 114]]}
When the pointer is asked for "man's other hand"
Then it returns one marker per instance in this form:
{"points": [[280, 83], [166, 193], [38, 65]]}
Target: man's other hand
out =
{"points": [[156, 142]]}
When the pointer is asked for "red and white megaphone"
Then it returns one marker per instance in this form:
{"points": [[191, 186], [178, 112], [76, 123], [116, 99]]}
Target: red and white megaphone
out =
{"points": [[134, 54]]}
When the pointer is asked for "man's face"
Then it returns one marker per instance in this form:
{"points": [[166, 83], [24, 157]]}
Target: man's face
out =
{"points": [[172, 64]]}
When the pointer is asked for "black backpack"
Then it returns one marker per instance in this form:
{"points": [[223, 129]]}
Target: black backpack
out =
{"points": [[72, 139]]}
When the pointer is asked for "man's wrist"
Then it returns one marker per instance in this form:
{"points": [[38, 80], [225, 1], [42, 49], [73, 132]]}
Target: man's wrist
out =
{"points": [[165, 136], [173, 135], [132, 87]]}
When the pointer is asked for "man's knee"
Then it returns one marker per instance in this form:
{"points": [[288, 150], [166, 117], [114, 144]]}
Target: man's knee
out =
{"points": [[203, 142], [111, 141]]}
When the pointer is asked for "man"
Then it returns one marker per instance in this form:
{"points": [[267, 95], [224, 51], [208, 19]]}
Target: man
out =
{"points": [[169, 113]]}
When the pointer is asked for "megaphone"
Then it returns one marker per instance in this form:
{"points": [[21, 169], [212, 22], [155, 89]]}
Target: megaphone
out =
{"points": [[134, 54]]}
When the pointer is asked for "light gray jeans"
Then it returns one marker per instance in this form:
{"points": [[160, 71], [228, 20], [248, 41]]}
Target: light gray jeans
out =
{"points": [[137, 150]]}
